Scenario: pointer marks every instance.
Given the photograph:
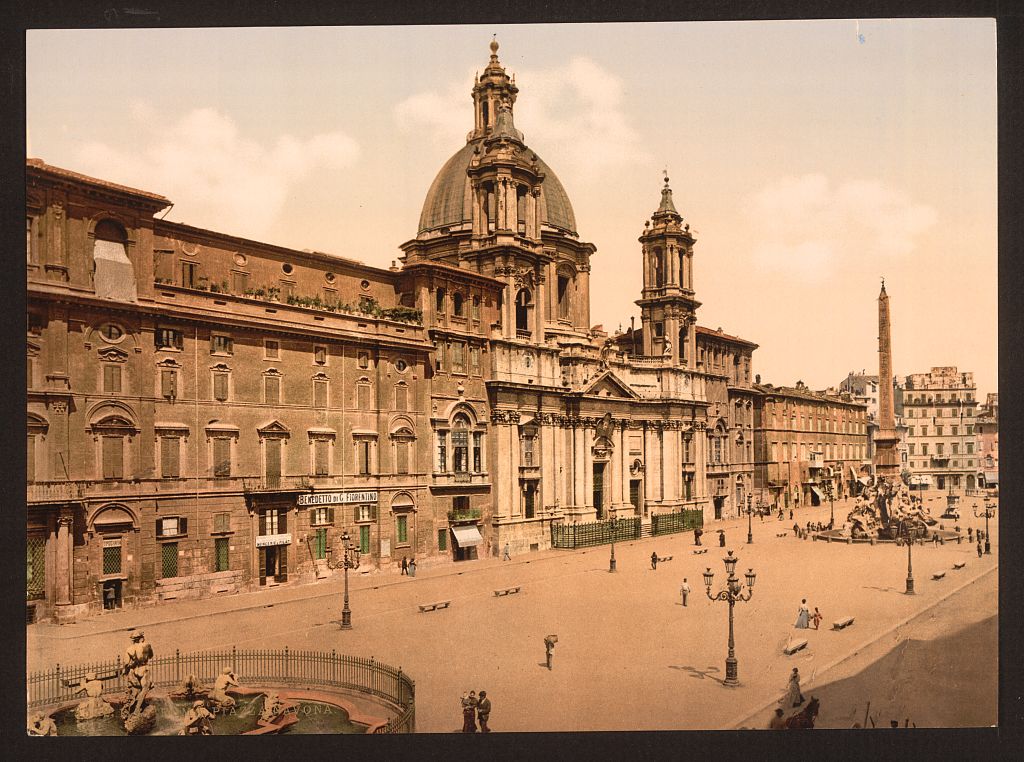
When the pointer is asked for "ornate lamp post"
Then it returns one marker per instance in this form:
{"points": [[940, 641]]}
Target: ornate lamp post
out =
{"points": [[988, 512], [830, 494], [733, 592], [904, 535], [350, 561], [611, 559], [750, 511]]}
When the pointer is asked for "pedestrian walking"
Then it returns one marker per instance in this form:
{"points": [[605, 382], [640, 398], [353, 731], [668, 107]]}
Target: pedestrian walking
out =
{"points": [[816, 617], [793, 697], [970, 534], [469, 712], [935, 539], [979, 546], [685, 590], [549, 646], [721, 538], [790, 514], [696, 535], [654, 560], [508, 554], [778, 722], [802, 615], [412, 567], [483, 712], [405, 565], [796, 530]]}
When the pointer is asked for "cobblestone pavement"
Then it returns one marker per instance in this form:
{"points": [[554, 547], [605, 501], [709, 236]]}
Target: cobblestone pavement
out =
{"points": [[629, 655]]}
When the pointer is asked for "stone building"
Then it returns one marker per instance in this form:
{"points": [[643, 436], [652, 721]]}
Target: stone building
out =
{"points": [[804, 439], [939, 409], [863, 388], [208, 413], [987, 429]]}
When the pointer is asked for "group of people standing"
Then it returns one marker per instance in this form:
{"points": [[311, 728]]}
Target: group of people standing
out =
{"points": [[475, 709], [409, 566], [804, 618]]}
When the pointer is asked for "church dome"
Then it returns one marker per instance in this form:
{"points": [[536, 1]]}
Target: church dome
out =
{"points": [[449, 200]]}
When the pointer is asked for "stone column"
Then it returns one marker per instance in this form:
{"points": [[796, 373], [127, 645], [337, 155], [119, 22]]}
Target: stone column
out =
{"points": [[622, 453], [500, 470], [578, 499], [64, 560], [588, 467], [515, 507], [549, 465], [670, 470], [499, 190], [700, 462]]}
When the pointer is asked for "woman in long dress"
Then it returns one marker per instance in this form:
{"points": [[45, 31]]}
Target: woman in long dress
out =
{"points": [[803, 615], [793, 695]]}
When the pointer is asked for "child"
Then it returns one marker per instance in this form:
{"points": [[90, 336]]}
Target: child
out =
{"points": [[816, 617]]}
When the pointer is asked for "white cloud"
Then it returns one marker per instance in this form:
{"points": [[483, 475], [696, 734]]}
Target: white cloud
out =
{"points": [[808, 227], [217, 177], [575, 111]]}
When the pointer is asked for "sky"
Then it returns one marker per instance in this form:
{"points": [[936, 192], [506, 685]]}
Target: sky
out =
{"points": [[811, 158]]}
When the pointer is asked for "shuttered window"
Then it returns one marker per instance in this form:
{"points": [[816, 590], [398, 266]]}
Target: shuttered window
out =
{"points": [[320, 544], [363, 454], [220, 387], [321, 457], [169, 384], [320, 355], [402, 456], [113, 457], [170, 457], [401, 398], [319, 394], [272, 390], [31, 458], [402, 529], [222, 522], [363, 397], [112, 379], [239, 282], [222, 456], [273, 448]]}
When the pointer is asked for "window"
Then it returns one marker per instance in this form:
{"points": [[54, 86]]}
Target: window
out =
{"points": [[363, 396], [364, 513], [363, 456], [956, 431], [112, 379], [460, 444], [31, 457], [273, 521], [170, 457], [222, 456], [112, 556], [320, 544], [220, 553], [364, 538], [319, 393], [970, 430], [169, 560], [401, 365], [439, 356], [221, 344], [442, 453], [924, 448], [457, 306], [321, 457], [172, 526], [189, 274], [924, 431], [323, 514], [364, 360], [239, 282], [529, 439], [458, 357], [956, 448], [910, 448], [222, 522], [113, 457], [659, 329], [563, 297], [168, 338], [401, 398], [524, 303], [168, 383], [970, 448], [477, 451], [320, 355], [474, 360], [402, 529], [475, 309], [442, 540], [220, 386], [439, 305], [938, 431], [272, 454], [272, 390], [271, 349], [402, 444]]}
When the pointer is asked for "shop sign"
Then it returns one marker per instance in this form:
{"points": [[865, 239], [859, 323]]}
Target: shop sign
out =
{"points": [[336, 498], [266, 540]]}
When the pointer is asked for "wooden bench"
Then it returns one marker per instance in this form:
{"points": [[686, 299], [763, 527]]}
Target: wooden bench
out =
{"points": [[507, 591], [796, 645], [698, 552], [666, 558], [782, 534], [938, 575], [960, 565], [841, 624], [434, 606]]}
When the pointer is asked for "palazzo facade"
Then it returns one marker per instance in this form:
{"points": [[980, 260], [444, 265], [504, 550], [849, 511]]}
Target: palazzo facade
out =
{"points": [[208, 413]]}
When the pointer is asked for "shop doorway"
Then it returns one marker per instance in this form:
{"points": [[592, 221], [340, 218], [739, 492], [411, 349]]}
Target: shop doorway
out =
{"points": [[274, 564], [636, 497]]}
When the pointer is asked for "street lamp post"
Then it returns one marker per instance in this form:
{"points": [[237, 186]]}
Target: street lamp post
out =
{"points": [[611, 558], [350, 561], [905, 534], [733, 592], [750, 510], [988, 512], [830, 493]]}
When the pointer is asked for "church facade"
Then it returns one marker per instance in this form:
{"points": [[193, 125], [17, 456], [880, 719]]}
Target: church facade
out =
{"points": [[208, 413]]}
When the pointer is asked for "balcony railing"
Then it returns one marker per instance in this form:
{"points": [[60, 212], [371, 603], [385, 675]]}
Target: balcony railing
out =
{"points": [[277, 484], [520, 334], [465, 514]]}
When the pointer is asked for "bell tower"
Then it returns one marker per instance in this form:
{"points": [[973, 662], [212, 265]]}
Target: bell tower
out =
{"points": [[667, 304], [493, 91]]}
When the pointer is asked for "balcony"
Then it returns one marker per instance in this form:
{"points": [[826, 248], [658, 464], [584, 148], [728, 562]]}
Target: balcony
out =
{"points": [[53, 492], [42, 493], [277, 484], [520, 334], [465, 514], [460, 479]]}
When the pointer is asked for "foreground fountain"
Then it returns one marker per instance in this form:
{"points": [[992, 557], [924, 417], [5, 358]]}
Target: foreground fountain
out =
{"points": [[221, 693], [886, 512]]}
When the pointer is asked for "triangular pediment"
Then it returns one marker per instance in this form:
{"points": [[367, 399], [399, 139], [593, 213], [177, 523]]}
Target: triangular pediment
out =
{"points": [[274, 427], [610, 385]]}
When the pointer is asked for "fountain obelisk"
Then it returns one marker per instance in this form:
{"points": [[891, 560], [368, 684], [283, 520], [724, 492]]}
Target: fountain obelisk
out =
{"points": [[886, 462]]}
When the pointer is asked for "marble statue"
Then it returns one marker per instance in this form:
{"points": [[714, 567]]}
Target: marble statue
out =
{"points": [[136, 667], [94, 706], [220, 687], [197, 720], [41, 724], [273, 706]]}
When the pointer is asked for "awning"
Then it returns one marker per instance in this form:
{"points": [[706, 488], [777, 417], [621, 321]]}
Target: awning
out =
{"points": [[864, 480], [853, 474], [817, 492], [467, 536], [991, 477]]}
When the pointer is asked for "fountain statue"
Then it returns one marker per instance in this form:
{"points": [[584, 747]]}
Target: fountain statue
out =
{"points": [[41, 724], [883, 508], [277, 715], [197, 720], [190, 689], [220, 697], [137, 716], [94, 706]]}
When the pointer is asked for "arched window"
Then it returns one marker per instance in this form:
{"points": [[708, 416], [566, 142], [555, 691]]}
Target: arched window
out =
{"points": [[563, 296], [659, 274], [460, 444], [440, 301], [403, 441], [521, 210], [114, 275], [457, 304], [491, 204], [524, 303]]}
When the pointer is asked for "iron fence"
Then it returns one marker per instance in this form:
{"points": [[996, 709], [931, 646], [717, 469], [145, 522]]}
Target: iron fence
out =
{"points": [[296, 669], [573, 536], [666, 523]]}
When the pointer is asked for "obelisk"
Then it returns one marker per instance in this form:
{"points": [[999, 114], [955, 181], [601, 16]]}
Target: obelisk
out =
{"points": [[887, 463]]}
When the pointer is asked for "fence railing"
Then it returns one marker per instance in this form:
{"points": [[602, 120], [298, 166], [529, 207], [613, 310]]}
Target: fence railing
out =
{"points": [[252, 667], [594, 533], [666, 523]]}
